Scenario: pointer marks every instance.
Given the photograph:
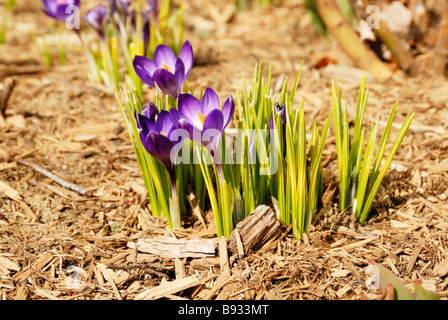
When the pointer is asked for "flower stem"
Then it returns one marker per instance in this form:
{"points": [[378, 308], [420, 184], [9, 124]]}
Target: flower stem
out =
{"points": [[220, 172], [174, 204]]}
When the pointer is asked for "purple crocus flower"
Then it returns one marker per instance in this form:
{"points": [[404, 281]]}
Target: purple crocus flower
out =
{"points": [[169, 72], [156, 134], [205, 121], [278, 110], [95, 17], [151, 8], [57, 9]]}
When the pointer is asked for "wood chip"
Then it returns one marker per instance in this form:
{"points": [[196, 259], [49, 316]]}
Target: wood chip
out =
{"points": [[172, 248], [205, 263], [170, 287], [39, 263], [21, 293], [355, 245], [179, 269], [255, 230], [45, 294], [341, 292], [9, 192], [441, 167], [413, 258], [224, 257], [6, 166], [108, 274], [339, 273], [115, 289], [402, 226], [441, 269], [195, 209], [221, 282], [227, 290], [239, 243], [8, 264]]}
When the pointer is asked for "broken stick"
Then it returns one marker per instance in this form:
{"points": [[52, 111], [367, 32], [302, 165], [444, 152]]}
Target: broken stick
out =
{"points": [[54, 177], [255, 230]]}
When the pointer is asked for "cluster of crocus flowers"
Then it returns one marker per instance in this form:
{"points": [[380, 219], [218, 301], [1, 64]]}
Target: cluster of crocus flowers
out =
{"points": [[156, 135], [202, 121], [162, 133], [124, 28]]}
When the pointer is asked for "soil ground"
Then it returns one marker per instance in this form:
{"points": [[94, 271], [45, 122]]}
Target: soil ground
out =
{"points": [[61, 122]]}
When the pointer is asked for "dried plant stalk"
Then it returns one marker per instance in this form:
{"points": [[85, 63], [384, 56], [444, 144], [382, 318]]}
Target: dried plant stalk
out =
{"points": [[404, 58], [363, 57]]}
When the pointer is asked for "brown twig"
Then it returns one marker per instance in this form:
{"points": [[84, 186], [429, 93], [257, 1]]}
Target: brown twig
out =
{"points": [[53, 177]]}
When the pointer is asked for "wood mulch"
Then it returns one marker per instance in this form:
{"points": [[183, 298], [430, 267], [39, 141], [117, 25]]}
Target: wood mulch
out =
{"points": [[58, 244]]}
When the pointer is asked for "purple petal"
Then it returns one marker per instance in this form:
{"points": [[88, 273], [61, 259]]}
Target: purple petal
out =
{"points": [[159, 147], [184, 124], [95, 18], [214, 120], [180, 75], [166, 81], [213, 128], [228, 109], [144, 67], [144, 123], [164, 57], [50, 5], [177, 137], [210, 101], [148, 146], [49, 13], [164, 123], [150, 111], [186, 54], [175, 115], [189, 106]]}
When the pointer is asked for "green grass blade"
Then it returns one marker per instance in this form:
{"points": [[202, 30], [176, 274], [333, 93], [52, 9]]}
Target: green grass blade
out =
{"points": [[374, 190], [383, 143], [365, 172]]}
